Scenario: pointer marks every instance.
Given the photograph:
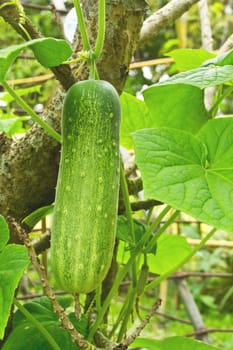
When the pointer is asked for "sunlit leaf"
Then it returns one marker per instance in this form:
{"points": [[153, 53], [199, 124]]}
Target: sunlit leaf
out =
{"points": [[190, 58], [179, 106], [135, 115], [163, 261], [49, 52]]}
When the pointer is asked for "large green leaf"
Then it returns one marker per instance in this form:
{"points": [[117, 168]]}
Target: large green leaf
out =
{"points": [[190, 173], [135, 115], [24, 333], [202, 77], [190, 58], [163, 261], [49, 52], [172, 343], [178, 106], [13, 261], [217, 135]]}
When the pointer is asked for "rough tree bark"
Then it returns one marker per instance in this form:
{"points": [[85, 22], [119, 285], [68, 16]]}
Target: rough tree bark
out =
{"points": [[28, 167]]}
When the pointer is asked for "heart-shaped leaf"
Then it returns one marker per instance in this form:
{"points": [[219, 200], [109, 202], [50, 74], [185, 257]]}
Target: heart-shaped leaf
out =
{"points": [[191, 173], [49, 52]]}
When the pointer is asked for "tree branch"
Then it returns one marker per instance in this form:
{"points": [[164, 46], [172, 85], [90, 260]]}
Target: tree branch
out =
{"points": [[191, 308], [13, 13], [161, 18], [206, 32]]}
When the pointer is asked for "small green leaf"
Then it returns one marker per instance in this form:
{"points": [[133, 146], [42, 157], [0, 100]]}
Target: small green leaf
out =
{"points": [[32, 219], [4, 232], [24, 334], [12, 125], [13, 261], [163, 261], [179, 106], [177, 169], [172, 343], [187, 59], [5, 96], [49, 52], [123, 230]]}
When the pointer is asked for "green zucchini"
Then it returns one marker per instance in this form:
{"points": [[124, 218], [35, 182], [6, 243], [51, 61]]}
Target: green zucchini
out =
{"points": [[85, 212]]}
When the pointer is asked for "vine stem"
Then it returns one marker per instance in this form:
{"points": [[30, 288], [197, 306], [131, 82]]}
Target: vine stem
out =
{"points": [[176, 267], [30, 111], [121, 274], [129, 216], [38, 325], [161, 230], [131, 299], [214, 108], [82, 25], [101, 29]]}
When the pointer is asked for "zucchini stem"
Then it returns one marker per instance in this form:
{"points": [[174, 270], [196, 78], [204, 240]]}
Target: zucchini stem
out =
{"points": [[212, 112], [130, 304], [161, 230], [101, 29], [129, 216], [82, 25]]}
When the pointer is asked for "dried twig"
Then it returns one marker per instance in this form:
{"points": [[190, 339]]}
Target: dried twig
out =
{"points": [[210, 330], [128, 340]]}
